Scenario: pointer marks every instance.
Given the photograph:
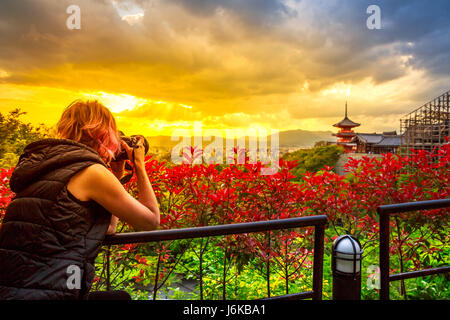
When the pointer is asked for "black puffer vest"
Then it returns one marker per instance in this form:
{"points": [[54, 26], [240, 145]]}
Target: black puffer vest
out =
{"points": [[47, 234]]}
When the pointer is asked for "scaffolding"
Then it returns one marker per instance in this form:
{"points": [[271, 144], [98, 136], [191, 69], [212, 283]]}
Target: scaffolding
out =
{"points": [[426, 127]]}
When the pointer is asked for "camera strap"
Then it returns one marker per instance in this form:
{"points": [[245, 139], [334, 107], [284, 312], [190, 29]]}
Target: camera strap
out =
{"points": [[125, 179]]}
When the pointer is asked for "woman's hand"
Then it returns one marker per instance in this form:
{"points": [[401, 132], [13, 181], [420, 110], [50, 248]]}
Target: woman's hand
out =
{"points": [[139, 153], [117, 167], [112, 225]]}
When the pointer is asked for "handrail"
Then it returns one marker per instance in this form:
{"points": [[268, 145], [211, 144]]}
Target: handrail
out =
{"points": [[217, 230], [318, 222], [384, 213], [414, 206]]}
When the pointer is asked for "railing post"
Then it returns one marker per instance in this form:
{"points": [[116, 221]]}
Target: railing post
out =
{"points": [[108, 276], [319, 234], [346, 259], [384, 253]]}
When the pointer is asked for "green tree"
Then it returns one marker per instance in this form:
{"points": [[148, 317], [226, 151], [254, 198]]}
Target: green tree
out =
{"points": [[15, 135], [322, 143], [314, 159]]}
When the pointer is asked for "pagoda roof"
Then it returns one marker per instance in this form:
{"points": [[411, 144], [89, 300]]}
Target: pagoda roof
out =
{"points": [[345, 134], [347, 143], [346, 122]]}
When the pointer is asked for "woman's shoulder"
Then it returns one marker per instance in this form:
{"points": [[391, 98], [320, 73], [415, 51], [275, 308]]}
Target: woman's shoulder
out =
{"points": [[91, 175], [88, 181], [97, 177], [96, 171]]}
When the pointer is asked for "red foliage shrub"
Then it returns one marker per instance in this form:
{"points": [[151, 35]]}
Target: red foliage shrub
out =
{"points": [[199, 195]]}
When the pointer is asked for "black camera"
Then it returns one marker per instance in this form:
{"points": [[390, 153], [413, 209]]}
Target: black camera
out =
{"points": [[131, 141]]}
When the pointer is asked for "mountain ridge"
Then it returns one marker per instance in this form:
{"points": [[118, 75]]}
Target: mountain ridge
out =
{"points": [[288, 138]]}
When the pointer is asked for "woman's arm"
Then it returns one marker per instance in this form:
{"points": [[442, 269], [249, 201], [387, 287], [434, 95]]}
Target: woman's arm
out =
{"points": [[117, 168], [146, 194], [99, 184], [104, 188]]}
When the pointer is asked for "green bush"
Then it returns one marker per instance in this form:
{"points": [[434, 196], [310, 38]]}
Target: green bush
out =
{"points": [[315, 159], [15, 135]]}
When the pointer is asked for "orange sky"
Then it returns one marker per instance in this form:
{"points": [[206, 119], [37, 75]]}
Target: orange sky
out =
{"points": [[161, 65]]}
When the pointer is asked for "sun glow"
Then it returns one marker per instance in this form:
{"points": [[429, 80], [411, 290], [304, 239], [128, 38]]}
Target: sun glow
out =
{"points": [[3, 74], [117, 102]]}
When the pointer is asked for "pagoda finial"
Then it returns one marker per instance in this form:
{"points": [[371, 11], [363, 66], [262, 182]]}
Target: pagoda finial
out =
{"points": [[346, 122]]}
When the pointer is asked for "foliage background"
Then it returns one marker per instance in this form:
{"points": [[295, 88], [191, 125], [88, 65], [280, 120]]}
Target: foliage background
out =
{"points": [[15, 135], [253, 266]]}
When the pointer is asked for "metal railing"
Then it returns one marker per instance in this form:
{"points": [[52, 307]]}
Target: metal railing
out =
{"points": [[385, 213], [318, 222]]}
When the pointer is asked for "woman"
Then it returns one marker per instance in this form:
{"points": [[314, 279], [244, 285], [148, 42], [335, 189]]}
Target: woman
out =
{"points": [[66, 201]]}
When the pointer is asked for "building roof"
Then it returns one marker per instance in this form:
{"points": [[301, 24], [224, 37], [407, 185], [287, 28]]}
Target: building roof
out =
{"points": [[393, 141], [371, 138], [344, 134], [379, 139], [346, 143], [346, 122]]}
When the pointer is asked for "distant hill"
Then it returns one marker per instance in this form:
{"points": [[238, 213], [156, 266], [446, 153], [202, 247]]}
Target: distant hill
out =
{"points": [[304, 138], [290, 138]]}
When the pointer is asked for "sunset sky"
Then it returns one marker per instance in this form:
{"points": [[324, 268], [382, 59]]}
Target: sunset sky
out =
{"points": [[163, 64]]}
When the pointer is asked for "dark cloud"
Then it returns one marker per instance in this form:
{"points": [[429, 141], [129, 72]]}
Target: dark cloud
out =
{"points": [[424, 24], [193, 51], [261, 12]]}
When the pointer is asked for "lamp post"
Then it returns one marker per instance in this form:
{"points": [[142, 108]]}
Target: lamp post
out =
{"points": [[346, 266]]}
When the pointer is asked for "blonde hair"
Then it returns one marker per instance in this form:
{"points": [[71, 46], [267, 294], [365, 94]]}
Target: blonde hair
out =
{"points": [[92, 124]]}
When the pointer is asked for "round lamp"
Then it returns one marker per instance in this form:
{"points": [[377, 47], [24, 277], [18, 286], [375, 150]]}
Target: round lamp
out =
{"points": [[347, 255]]}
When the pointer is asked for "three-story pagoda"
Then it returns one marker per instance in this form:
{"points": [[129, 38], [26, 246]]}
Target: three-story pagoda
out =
{"points": [[346, 134]]}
